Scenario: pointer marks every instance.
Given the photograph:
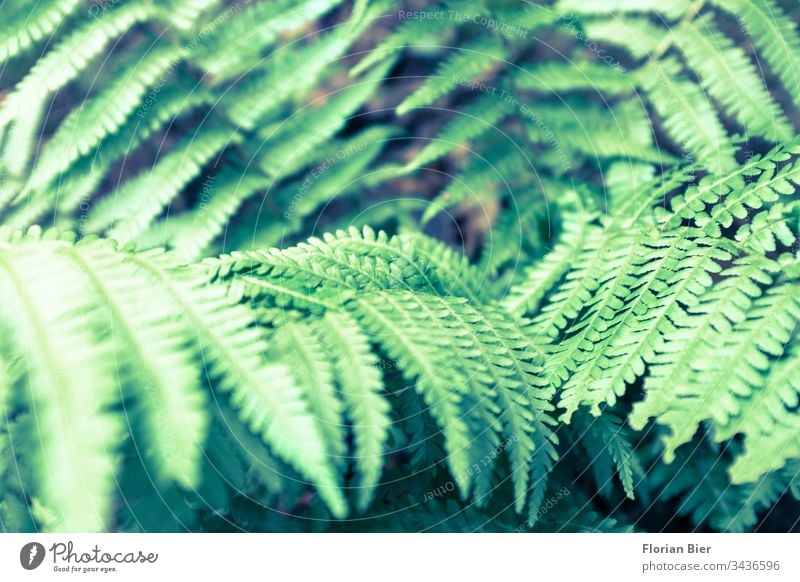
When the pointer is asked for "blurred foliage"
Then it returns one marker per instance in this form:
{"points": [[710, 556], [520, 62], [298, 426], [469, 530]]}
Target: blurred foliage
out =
{"points": [[558, 289]]}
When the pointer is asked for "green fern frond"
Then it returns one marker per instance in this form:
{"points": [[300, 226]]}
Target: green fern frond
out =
{"points": [[598, 131], [104, 114], [774, 35], [771, 431], [182, 14], [70, 57], [561, 265], [731, 194], [608, 445], [358, 374], [395, 321], [689, 117], [236, 39], [750, 317], [581, 281], [261, 93], [468, 64], [290, 147], [718, 309], [541, 277], [728, 75], [638, 34], [403, 322], [265, 395], [670, 8], [476, 118], [770, 228], [557, 77], [27, 24], [227, 190], [625, 321], [74, 187], [333, 267], [158, 364], [483, 179], [71, 433], [141, 199], [301, 350], [720, 387], [410, 33], [699, 481]]}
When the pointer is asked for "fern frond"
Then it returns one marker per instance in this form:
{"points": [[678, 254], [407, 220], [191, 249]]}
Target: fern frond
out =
{"points": [[584, 339], [688, 115], [71, 433], [772, 433], [637, 34], [720, 387], [357, 372], [292, 73], [158, 364], [476, 118], [235, 40], [395, 321], [27, 24], [670, 8], [561, 77], [731, 194], [229, 188], [82, 175], [728, 75], [290, 146], [718, 309], [102, 115], [332, 267], [624, 323], [452, 272], [140, 200], [70, 57], [698, 479], [265, 395], [410, 33], [401, 320], [581, 281], [483, 178], [774, 35], [607, 443], [770, 228], [470, 62], [20, 143], [183, 14], [598, 131], [298, 347], [541, 277]]}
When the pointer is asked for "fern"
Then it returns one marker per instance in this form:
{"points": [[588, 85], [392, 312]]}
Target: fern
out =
{"points": [[101, 116], [154, 348], [146, 196], [27, 25], [360, 382], [775, 36], [474, 59], [731, 78], [728, 380], [325, 266]]}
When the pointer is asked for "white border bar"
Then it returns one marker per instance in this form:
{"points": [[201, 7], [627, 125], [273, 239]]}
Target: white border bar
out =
{"points": [[409, 557]]}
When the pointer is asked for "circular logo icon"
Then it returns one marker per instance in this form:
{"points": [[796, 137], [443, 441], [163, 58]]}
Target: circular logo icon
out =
{"points": [[31, 555]]}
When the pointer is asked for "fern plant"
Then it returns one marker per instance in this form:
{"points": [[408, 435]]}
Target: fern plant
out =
{"points": [[312, 265]]}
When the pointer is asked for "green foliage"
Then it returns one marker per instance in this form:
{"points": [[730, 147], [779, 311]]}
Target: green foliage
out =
{"points": [[576, 308]]}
